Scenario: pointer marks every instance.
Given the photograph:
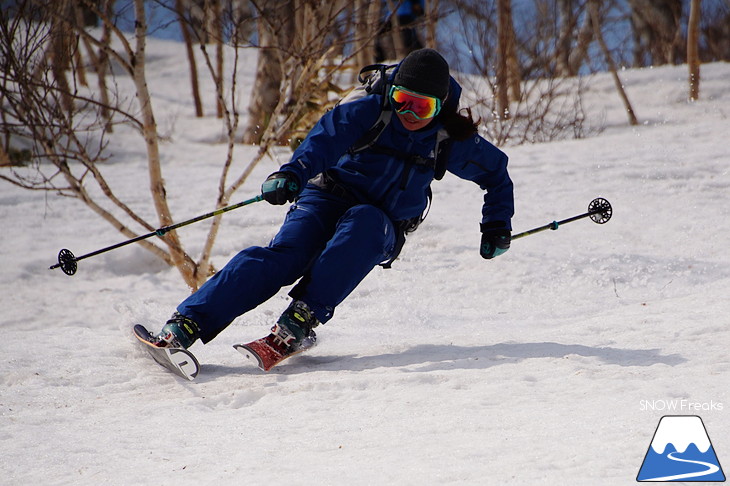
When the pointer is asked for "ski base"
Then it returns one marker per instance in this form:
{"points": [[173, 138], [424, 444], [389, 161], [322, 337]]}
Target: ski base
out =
{"points": [[266, 354], [177, 360]]}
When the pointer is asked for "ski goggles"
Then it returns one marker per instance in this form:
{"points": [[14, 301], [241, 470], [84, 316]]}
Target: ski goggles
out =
{"points": [[421, 106]]}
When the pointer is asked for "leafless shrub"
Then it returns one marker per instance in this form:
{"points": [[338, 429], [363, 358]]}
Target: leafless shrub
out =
{"points": [[66, 126], [547, 109], [544, 108]]}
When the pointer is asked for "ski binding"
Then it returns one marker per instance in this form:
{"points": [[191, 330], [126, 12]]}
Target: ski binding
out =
{"points": [[177, 360]]}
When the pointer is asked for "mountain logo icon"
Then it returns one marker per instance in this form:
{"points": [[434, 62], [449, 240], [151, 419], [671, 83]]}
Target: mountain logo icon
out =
{"points": [[681, 451]]}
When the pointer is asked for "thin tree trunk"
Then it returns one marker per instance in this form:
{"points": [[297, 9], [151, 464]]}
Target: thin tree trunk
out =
{"points": [[60, 52], [693, 54], [217, 24], [185, 29], [502, 80], [276, 30], [580, 52], [432, 13], [266, 89], [514, 78], [395, 30], [373, 20], [565, 36], [79, 67], [184, 264], [4, 157], [102, 65], [594, 9], [365, 15]]}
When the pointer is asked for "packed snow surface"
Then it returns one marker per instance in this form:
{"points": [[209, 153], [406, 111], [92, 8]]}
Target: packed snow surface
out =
{"points": [[551, 364]]}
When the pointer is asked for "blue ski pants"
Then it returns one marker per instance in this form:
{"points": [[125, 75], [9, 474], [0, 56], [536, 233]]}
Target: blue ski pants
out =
{"points": [[325, 242]]}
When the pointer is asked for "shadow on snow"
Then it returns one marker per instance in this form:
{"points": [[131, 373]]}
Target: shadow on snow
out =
{"points": [[435, 357]]}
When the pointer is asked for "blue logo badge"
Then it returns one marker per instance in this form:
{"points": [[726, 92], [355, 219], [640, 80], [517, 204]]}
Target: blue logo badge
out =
{"points": [[681, 451]]}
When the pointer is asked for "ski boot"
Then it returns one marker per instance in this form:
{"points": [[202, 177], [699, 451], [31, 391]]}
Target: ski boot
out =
{"points": [[294, 329], [179, 332]]}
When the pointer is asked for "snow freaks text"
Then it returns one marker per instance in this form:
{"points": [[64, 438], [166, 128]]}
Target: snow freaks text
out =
{"points": [[680, 405]]}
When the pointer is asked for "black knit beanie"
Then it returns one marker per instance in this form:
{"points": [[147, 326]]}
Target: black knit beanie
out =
{"points": [[424, 71]]}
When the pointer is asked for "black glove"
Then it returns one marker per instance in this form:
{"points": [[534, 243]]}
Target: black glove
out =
{"points": [[280, 187], [495, 239]]}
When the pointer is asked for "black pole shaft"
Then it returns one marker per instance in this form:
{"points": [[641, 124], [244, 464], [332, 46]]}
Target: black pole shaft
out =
{"points": [[162, 231], [556, 224]]}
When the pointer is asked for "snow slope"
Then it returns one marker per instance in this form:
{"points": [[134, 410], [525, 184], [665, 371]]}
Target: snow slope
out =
{"points": [[534, 368]]}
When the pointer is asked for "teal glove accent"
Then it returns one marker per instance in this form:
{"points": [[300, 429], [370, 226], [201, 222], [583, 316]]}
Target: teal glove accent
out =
{"points": [[280, 188], [496, 239]]}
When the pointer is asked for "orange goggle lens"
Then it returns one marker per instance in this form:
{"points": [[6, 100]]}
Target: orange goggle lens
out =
{"points": [[420, 105]]}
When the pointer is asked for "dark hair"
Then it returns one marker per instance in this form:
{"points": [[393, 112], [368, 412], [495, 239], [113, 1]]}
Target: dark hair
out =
{"points": [[459, 126]]}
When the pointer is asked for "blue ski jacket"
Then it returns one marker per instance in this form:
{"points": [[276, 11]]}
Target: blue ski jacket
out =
{"points": [[398, 188]]}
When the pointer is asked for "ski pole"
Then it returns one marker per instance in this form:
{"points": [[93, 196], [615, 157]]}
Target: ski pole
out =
{"points": [[599, 210], [68, 262]]}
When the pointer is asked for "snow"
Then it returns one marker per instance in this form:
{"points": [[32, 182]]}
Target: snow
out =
{"points": [[533, 368]]}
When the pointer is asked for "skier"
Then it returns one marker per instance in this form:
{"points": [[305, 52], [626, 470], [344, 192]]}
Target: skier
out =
{"points": [[354, 211]]}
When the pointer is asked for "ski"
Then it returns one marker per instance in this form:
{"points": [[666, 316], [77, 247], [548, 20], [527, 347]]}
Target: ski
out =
{"points": [[177, 360], [267, 352]]}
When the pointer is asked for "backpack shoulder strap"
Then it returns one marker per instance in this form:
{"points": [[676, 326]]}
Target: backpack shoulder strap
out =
{"points": [[376, 83], [365, 78], [442, 150], [370, 137]]}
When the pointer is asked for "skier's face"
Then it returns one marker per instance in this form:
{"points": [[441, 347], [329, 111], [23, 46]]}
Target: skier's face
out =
{"points": [[412, 123], [415, 110]]}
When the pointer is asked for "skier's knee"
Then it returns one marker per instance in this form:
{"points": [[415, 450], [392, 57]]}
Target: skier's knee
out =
{"points": [[369, 225], [368, 219]]}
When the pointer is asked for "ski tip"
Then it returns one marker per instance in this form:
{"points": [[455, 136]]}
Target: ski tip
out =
{"points": [[141, 333]]}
